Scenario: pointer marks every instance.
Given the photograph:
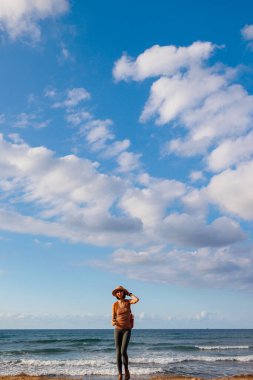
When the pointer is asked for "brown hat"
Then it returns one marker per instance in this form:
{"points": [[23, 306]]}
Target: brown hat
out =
{"points": [[118, 288]]}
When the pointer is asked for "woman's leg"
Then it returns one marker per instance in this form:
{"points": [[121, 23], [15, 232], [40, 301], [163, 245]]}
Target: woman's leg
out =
{"points": [[118, 343], [124, 345]]}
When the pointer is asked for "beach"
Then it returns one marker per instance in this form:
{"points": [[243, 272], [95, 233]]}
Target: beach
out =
{"points": [[27, 377]]}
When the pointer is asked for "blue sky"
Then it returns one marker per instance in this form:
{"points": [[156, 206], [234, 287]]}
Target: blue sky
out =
{"points": [[126, 158]]}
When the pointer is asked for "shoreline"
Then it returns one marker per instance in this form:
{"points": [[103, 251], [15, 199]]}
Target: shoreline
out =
{"points": [[23, 376]]}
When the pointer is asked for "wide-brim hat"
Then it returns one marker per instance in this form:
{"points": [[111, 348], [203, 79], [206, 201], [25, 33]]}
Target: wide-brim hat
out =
{"points": [[119, 288]]}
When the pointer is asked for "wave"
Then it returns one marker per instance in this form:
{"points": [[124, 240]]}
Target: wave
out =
{"points": [[173, 347], [68, 341], [105, 366], [61, 341], [75, 367], [42, 351], [207, 348], [181, 359]]}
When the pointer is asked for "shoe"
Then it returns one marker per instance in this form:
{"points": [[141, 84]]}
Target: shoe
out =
{"points": [[127, 374]]}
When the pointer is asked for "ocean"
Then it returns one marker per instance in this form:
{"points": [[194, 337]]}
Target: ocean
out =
{"points": [[206, 353]]}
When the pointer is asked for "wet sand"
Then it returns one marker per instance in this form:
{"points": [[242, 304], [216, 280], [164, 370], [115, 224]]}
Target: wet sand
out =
{"points": [[237, 377]]}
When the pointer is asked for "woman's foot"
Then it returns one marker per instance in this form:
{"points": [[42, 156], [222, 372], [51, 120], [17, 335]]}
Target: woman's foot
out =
{"points": [[127, 374], [120, 377]]}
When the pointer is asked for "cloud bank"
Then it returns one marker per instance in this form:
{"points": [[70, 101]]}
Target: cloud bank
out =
{"points": [[185, 232], [205, 267], [208, 109], [21, 17]]}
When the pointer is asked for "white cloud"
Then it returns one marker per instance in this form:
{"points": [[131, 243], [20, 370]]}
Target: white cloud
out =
{"points": [[15, 222], [22, 17], [228, 267], [161, 60], [196, 176], [73, 200], [247, 32], [192, 231], [25, 120], [150, 201], [172, 96], [231, 190], [203, 103], [230, 152], [116, 148], [65, 54], [73, 98], [100, 138], [70, 190], [227, 112], [97, 133], [196, 202], [128, 162], [211, 116], [50, 93], [77, 117]]}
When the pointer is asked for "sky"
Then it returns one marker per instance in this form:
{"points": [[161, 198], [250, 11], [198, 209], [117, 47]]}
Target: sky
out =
{"points": [[126, 158]]}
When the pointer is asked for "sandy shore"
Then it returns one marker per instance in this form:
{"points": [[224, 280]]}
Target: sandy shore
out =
{"points": [[237, 377], [26, 377]]}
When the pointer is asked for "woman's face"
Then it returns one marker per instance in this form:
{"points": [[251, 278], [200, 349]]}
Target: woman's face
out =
{"points": [[120, 294]]}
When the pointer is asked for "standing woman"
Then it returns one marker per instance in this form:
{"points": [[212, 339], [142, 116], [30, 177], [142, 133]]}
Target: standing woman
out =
{"points": [[121, 319]]}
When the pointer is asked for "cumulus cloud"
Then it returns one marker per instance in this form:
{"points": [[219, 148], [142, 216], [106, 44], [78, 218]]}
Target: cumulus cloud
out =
{"points": [[73, 199], [247, 32], [100, 138], [191, 231], [196, 176], [73, 98], [22, 17], [161, 60], [69, 190], [150, 201], [228, 267], [211, 112], [77, 117], [97, 133], [116, 147], [211, 116], [171, 96], [231, 152], [128, 162], [231, 190]]}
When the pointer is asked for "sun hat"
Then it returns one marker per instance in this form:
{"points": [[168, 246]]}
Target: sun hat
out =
{"points": [[119, 288]]}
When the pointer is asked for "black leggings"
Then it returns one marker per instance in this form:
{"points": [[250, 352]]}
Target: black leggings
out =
{"points": [[122, 337]]}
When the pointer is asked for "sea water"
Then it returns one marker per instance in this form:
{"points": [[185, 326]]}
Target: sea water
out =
{"points": [[206, 353]]}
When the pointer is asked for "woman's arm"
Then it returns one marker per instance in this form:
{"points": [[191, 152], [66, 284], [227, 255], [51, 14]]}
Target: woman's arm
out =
{"points": [[133, 298], [114, 322]]}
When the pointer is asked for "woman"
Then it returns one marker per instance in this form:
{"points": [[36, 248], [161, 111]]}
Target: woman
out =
{"points": [[121, 319]]}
